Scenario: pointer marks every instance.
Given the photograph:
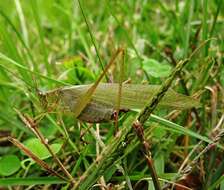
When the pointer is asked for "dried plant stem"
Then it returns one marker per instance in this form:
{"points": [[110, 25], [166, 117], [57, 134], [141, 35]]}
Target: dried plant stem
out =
{"points": [[145, 114], [45, 142], [140, 133], [33, 126], [35, 158]]}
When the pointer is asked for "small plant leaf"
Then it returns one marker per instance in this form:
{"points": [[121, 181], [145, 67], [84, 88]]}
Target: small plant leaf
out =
{"points": [[9, 164], [156, 69], [37, 148]]}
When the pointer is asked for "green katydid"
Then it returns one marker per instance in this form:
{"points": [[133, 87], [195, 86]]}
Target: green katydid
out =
{"points": [[98, 102], [103, 101]]}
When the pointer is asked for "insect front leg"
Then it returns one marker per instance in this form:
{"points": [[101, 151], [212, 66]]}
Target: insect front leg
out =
{"points": [[115, 117]]}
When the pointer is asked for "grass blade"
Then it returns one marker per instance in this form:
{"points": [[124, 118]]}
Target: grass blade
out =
{"points": [[4, 182], [22, 67]]}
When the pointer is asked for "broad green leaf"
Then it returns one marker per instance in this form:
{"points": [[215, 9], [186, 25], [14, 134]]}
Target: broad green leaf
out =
{"points": [[36, 147], [156, 69], [75, 72], [9, 164]]}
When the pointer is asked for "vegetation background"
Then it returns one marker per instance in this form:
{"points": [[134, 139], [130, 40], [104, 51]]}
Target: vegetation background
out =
{"points": [[46, 44]]}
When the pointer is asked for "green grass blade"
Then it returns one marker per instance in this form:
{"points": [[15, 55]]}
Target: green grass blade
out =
{"points": [[205, 26], [179, 129], [190, 7], [4, 182], [22, 21], [18, 65], [20, 38], [11, 49]]}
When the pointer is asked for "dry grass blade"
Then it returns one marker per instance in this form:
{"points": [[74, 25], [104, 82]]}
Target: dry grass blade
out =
{"points": [[33, 127]]}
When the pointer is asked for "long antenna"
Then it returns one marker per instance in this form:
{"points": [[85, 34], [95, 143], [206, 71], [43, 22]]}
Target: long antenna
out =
{"points": [[92, 38]]}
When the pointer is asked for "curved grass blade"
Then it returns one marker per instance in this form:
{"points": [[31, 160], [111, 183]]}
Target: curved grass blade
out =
{"points": [[24, 68]]}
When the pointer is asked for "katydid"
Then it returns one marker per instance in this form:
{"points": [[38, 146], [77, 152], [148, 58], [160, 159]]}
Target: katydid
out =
{"points": [[97, 102], [103, 102]]}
